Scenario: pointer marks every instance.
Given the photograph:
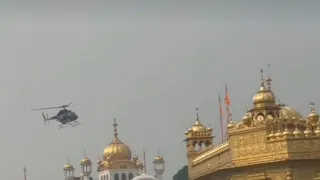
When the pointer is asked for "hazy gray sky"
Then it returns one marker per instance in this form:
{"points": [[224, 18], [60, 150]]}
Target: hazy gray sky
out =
{"points": [[149, 64]]}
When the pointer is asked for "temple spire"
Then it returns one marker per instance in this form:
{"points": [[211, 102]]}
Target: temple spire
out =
{"points": [[262, 79], [197, 113], [115, 127]]}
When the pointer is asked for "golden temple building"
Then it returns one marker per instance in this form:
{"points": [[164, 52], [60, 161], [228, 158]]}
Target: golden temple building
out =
{"points": [[271, 142], [117, 163]]}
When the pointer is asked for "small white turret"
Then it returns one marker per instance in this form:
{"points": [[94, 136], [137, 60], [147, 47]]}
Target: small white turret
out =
{"points": [[159, 166], [68, 171], [86, 167]]}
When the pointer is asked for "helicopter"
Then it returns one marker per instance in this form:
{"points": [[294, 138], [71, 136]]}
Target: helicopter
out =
{"points": [[64, 117]]}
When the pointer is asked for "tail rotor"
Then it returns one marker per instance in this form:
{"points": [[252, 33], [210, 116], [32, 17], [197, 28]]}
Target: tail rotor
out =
{"points": [[45, 119]]}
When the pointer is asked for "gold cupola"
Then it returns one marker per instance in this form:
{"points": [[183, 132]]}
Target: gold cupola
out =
{"points": [[68, 167], [313, 117], [116, 150], [198, 134], [246, 119], [198, 128], [264, 97], [68, 171], [158, 158], [317, 131], [85, 160]]}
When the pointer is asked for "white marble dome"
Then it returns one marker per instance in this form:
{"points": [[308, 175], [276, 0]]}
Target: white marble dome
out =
{"points": [[145, 177]]}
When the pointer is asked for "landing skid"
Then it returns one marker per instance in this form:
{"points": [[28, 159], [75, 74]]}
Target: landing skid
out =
{"points": [[62, 126], [72, 124]]}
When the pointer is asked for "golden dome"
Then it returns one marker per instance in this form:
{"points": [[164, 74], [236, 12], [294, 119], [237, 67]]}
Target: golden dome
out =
{"points": [[317, 131], [117, 150], [198, 127], [287, 133], [264, 97], [313, 116], [247, 117], [158, 159], [186, 132], [308, 132], [230, 124], [68, 167], [288, 113], [297, 133], [85, 161]]}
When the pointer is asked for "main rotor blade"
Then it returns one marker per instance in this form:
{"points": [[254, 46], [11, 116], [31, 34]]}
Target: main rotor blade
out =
{"points": [[63, 106], [45, 108], [67, 105]]}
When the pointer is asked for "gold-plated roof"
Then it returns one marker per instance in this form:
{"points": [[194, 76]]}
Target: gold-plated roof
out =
{"points": [[158, 158], [117, 150], [264, 97], [313, 116], [246, 117], [68, 166], [198, 127], [289, 113], [85, 160]]}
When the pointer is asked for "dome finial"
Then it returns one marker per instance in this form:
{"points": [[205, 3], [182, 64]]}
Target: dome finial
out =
{"points": [[262, 78], [68, 159], [312, 104], [197, 113], [269, 80], [158, 152], [115, 127], [85, 153]]}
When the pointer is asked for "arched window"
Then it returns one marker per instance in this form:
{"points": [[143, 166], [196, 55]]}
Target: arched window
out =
{"points": [[130, 176], [107, 177], [123, 176], [116, 176]]}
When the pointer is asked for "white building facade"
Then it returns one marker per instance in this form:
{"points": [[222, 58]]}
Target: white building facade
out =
{"points": [[117, 163]]}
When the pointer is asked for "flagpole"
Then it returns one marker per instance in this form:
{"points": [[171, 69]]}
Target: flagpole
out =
{"points": [[227, 102], [221, 120]]}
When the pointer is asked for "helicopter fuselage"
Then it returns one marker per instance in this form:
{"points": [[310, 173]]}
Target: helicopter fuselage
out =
{"points": [[65, 116]]}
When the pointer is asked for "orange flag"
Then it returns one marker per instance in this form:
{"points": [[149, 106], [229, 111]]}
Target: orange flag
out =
{"points": [[227, 98]]}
